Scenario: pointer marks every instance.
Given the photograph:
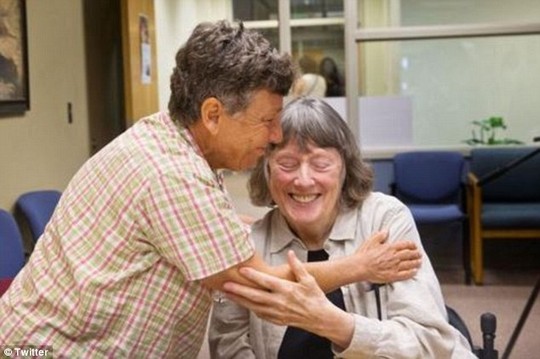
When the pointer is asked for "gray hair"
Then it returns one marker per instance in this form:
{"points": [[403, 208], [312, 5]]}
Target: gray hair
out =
{"points": [[310, 120], [226, 62]]}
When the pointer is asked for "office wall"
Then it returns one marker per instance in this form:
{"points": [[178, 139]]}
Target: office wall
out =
{"points": [[40, 149]]}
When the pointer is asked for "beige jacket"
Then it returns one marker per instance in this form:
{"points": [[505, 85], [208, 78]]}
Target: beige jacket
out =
{"points": [[414, 321]]}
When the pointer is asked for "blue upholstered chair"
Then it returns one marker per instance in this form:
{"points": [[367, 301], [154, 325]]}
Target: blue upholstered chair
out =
{"points": [[431, 184], [36, 208], [11, 246], [504, 206]]}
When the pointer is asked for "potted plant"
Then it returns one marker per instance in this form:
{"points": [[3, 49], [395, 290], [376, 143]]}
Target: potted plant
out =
{"points": [[485, 132]]}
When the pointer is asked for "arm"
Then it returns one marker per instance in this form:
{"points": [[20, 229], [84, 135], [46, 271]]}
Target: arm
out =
{"points": [[414, 317], [201, 257], [413, 326], [376, 260]]}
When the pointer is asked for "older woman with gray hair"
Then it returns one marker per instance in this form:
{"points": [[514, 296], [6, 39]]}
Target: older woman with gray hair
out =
{"points": [[324, 208]]}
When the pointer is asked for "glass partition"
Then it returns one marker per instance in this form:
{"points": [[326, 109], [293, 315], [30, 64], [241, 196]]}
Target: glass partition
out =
{"points": [[314, 9], [391, 13], [319, 50], [452, 82], [443, 80], [255, 10]]}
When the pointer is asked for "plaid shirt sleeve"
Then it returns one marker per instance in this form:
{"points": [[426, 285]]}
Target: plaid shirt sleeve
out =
{"points": [[194, 225]]}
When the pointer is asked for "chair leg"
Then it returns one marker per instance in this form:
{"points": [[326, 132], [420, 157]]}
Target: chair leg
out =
{"points": [[477, 257], [466, 250]]}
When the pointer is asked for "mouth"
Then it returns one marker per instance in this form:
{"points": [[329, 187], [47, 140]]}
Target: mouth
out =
{"points": [[304, 198]]}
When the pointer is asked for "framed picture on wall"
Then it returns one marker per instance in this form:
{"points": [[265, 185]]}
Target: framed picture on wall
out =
{"points": [[14, 92]]}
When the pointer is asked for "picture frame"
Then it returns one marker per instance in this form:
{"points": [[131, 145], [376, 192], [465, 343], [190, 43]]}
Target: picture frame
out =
{"points": [[14, 84]]}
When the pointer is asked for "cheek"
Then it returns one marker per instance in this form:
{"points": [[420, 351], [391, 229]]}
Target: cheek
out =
{"points": [[281, 178], [259, 132], [333, 185], [278, 182]]}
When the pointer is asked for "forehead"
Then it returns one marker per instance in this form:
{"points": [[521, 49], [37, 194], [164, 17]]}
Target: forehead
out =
{"points": [[293, 147], [264, 103]]}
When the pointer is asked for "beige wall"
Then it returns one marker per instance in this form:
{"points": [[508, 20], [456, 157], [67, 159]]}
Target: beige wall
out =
{"points": [[40, 149]]}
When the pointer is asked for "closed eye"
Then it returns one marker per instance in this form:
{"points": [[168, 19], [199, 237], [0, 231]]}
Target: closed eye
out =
{"points": [[321, 165], [288, 165]]}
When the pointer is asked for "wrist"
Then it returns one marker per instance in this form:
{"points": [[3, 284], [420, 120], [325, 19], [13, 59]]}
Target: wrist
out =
{"points": [[359, 268], [338, 327]]}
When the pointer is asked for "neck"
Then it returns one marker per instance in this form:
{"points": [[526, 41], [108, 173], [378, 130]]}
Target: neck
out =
{"points": [[313, 237], [203, 139]]}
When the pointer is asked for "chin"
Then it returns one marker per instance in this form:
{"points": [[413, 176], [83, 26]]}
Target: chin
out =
{"points": [[305, 218]]}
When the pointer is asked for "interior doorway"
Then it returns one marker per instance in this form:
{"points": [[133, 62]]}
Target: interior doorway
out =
{"points": [[104, 69]]}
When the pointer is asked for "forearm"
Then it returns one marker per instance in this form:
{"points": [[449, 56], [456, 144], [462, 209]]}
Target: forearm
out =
{"points": [[232, 274], [329, 275], [375, 261]]}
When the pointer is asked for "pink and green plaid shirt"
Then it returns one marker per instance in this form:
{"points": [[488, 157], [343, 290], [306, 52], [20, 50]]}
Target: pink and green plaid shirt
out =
{"points": [[116, 273]]}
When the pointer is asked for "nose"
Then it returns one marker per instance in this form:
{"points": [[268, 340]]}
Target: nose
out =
{"points": [[303, 176], [276, 133]]}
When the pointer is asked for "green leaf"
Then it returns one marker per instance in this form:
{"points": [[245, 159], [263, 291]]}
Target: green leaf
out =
{"points": [[496, 122]]}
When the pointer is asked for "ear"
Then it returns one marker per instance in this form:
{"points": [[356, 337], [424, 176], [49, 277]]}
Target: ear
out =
{"points": [[211, 113]]}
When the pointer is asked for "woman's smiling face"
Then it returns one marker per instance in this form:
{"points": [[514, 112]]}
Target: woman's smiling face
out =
{"points": [[306, 185]]}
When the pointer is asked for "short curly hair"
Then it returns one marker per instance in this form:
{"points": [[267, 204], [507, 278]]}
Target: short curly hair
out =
{"points": [[226, 62], [310, 120]]}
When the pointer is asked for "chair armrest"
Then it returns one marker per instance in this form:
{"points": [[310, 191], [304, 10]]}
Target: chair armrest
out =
{"points": [[472, 180], [474, 191]]}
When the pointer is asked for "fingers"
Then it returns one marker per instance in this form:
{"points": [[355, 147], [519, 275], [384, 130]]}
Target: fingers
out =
{"points": [[268, 282], [244, 295], [381, 236], [404, 245], [410, 265], [261, 279], [410, 257], [407, 254], [298, 269], [258, 303], [406, 250], [406, 274]]}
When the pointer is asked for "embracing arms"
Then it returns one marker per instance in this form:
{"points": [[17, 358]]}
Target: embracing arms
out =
{"points": [[375, 261]]}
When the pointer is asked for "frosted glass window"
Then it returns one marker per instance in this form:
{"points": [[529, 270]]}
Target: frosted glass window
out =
{"points": [[452, 82]]}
